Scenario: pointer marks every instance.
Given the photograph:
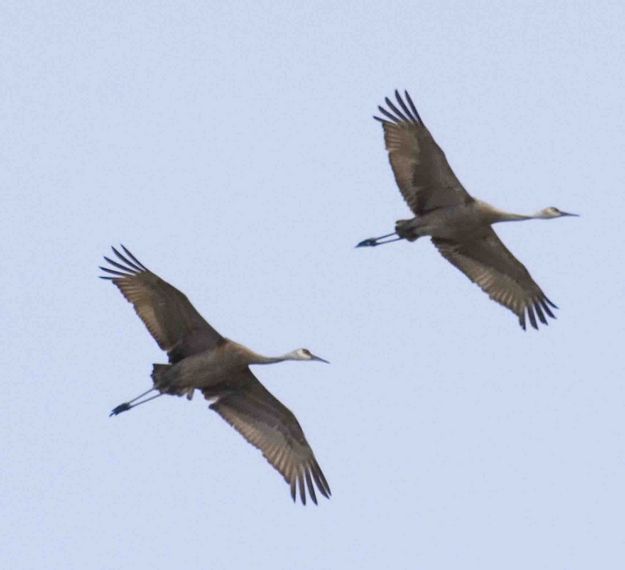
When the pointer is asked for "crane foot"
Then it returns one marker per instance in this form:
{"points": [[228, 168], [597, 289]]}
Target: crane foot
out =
{"points": [[371, 242], [119, 409]]}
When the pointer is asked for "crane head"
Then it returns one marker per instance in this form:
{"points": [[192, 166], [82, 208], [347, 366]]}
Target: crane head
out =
{"points": [[304, 354], [552, 212]]}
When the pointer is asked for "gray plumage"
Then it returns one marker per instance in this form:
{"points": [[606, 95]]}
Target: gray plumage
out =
{"points": [[200, 358], [458, 224]]}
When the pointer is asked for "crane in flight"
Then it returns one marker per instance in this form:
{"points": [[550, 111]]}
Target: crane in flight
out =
{"points": [[200, 358], [458, 224]]}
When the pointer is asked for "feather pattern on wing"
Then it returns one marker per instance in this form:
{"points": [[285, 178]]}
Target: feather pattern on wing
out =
{"points": [[168, 315], [271, 427], [421, 170], [485, 260]]}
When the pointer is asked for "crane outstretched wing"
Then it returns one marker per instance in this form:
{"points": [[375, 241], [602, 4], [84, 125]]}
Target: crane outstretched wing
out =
{"points": [[166, 312], [487, 261], [271, 427], [421, 170]]}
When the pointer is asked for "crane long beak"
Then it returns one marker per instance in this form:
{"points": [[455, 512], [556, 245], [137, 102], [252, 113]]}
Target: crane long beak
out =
{"points": [[569, 214], [313, 357]]}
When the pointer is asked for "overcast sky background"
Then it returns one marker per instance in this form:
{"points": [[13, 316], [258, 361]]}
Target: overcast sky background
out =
{"points": [[231, 147]]}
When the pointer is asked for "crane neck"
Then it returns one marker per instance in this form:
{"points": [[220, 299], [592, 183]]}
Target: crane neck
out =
{"points": [[243, 355], [510, 217], [240, 354], [492, 215], [260, 359]]}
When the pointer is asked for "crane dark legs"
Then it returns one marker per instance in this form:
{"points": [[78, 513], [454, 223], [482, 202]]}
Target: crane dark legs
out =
{"points": [[372, 242], [404, 229], [129, 405]]}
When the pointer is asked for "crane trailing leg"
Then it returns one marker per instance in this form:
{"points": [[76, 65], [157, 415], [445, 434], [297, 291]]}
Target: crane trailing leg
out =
{"points": [[372, 242], [161, 385], [157, 372], [404, 229], [131, 403]]}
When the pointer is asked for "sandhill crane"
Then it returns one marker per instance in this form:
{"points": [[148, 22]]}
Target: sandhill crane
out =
{"points": [[199, 357], [459, 225]]}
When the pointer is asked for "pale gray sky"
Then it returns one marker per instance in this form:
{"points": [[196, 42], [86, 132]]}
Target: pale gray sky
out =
{"points": [[231, 147]]}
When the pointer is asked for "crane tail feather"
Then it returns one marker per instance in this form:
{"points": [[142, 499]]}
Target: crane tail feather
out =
{"points": [[311, 488], [413, 107], [128, 262], [412, 116], [134, 258], [522, 320], [551, 303], [547, 309], [396, 110], [540, 313], [158, 370]]}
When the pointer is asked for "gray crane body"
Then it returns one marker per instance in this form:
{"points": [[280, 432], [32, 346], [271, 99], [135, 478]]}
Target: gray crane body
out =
{"points": [[453, 222], [201, 358], [210, 371], [459, 224]]}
